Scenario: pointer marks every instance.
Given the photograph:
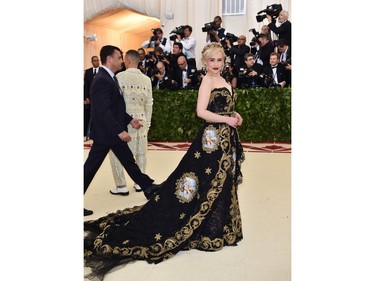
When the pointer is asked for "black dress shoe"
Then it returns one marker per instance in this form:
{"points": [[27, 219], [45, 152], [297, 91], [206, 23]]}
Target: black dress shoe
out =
{"points": [[87, 212], [151, 190]]}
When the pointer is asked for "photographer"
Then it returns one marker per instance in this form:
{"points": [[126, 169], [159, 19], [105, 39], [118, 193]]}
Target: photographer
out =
{"points": [[158, 40], [188, 43], [284, 30], [186, 75], [285, 59], [161, 77], [176, 53], [274, 75], [249, 77], [237, 53], [265, 50], [217, 33]]}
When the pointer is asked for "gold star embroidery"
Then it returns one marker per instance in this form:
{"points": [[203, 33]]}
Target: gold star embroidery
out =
{"points": [[157, 237], [182, 215], [157, 198], [208, 171], [197, 155], [125, 242]]}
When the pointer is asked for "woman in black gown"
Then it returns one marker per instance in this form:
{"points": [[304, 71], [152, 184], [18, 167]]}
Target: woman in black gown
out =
{"points": [[197, 205]]}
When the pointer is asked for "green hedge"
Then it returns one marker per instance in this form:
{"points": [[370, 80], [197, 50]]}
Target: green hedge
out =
{"points": [[266, 114]]}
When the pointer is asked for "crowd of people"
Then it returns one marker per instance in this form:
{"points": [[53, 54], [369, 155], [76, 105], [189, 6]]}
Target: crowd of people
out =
{"points": [[202, 190], [161, 63]]}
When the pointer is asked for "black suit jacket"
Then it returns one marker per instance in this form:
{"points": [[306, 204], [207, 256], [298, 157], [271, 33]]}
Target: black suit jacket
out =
{"points": [[191, 74], [280, 72], [87, 80], [237, 54], [284, 31], [108, 111]]}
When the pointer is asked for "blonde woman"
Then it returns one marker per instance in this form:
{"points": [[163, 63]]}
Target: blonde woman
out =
{"points": [[207, 217]]}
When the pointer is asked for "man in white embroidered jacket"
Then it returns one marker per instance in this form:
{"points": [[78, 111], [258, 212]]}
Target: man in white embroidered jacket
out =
{"points": [[137, 91]]}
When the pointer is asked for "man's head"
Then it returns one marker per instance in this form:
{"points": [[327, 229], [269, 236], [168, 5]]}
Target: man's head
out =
{"points": [[161, 67], [142, 54], [187, 31], [241, 40], [111, 57], [181, 61], [159, 33], [132, 59], [177, 48], [262, 39], [274, 59], [217, 21], [283, 16], [282, 45], [249, 59], [95, 61]]}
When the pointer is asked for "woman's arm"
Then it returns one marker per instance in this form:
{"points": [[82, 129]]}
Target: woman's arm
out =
{"points": [[202, 103]]}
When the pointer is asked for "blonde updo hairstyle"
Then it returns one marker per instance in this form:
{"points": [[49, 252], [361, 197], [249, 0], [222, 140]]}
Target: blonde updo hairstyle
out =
{"points": [[211, 49]]}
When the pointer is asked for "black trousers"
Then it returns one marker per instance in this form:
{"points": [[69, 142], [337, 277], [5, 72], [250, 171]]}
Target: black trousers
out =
{"points": [[97, 155], [86, 120]]}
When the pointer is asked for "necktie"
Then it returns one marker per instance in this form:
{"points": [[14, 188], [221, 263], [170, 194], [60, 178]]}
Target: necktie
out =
{"points": [[118, 85], [95, 71]]}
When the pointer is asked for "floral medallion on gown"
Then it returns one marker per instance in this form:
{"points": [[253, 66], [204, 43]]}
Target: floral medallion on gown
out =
{"points": [[196, 207]]}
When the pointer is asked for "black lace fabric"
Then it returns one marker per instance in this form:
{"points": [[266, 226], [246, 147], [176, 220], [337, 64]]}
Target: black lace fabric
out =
{"points": [[196, 208]]}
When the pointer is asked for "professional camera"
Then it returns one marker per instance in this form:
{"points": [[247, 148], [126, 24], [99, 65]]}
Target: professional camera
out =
{"points": [[255, 33], [201, 71], [231, 37], [244, 72], [288, 61], [154, 37], [209, 26], [178, 30], [154, 71], [271, 10], [268, 81]]}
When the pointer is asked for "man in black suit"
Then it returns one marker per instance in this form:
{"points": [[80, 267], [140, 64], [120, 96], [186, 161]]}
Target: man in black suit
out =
{"points": [[186, 76], [237, 53], [284, 30], [109, 124], [275, 73], [88, 77]]}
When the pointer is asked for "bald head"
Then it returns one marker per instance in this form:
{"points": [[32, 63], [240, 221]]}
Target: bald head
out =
{"points": [[181, 61]]}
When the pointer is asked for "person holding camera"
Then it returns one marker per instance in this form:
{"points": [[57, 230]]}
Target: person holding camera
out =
{"points": [[186, 76], [162, 78], [284, 30], [249, 77], [171, 61], [285, 59], [216, 33], [158, 40], [265, 50], [274, 74], [188, 44], [237, 53]]}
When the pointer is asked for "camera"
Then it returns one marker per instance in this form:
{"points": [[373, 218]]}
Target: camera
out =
{"points": [[255, 33], [271, 10], [231, 37], [244, 72], [154, 71], [288, 61], [201, 72], [209, 26], [178, 30], [268, 81], [154, 37]]}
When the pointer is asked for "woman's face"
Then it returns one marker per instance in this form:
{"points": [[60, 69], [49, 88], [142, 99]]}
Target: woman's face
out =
{"points": [[215, 63]]}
